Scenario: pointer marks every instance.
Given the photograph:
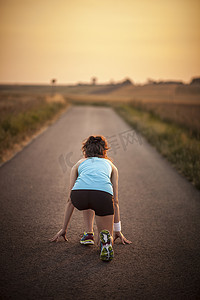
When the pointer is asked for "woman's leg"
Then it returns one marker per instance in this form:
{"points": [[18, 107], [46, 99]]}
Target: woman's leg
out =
{"points": [[105, 222], [88, 216]]}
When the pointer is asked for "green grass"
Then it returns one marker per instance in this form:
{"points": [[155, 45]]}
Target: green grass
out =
{"points": [[20, 118], [174, 142]]}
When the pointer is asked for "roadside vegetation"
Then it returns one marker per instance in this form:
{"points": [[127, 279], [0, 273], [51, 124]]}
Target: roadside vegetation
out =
{"points": [[22, 115], [179, 144]]}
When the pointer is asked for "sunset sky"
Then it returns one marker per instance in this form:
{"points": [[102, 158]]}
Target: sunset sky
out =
{"points": [[110, 39]]}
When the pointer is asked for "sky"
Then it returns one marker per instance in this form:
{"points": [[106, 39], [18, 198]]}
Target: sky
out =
{"points": [[74, 40]]}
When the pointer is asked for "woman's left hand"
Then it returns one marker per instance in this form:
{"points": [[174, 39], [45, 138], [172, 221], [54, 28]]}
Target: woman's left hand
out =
{"points": [[119, 234]]}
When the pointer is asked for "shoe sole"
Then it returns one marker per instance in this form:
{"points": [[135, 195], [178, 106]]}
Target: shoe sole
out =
{"points": [[87, 242], [107, 252]]}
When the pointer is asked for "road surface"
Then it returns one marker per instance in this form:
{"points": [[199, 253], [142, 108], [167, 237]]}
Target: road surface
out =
{"points": [[160, 213]]}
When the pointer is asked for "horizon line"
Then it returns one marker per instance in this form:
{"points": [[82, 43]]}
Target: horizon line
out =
{"points": [[98, 83]]}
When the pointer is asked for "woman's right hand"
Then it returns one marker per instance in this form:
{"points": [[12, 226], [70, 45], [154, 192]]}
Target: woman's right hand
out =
{"points": [[60, 233], [119, 234]]}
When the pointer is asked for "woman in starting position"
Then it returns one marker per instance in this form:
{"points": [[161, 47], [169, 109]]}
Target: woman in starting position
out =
{"points": [[94, 190]]}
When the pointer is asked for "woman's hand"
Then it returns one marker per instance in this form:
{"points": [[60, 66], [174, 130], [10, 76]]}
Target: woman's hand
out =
{"points": [[59, 234], [118, 234]]}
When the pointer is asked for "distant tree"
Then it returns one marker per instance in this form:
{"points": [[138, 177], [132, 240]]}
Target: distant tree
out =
{"points": [[94, 80], [151, 81], [195, 80], [127, 81], [53, 83]]}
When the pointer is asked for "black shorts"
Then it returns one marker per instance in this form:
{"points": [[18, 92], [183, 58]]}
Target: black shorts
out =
{"points": [[99, 201]]}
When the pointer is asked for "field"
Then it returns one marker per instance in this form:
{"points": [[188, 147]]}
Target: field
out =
{"points": [[167, 115], [172, 102]]}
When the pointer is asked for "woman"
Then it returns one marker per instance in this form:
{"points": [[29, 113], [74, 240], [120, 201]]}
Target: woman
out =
{"points": [[94, 189]]}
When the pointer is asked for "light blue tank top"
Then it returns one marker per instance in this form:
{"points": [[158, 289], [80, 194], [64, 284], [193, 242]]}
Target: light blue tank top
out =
{"points": [[94, 174]]}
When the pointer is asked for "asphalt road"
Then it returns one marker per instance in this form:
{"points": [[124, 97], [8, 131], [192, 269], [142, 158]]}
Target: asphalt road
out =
{"points": [[160, 213]]}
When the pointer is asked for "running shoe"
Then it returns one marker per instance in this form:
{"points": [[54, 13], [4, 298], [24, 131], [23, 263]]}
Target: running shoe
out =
{"points": [[107, 252], [87, 239]]}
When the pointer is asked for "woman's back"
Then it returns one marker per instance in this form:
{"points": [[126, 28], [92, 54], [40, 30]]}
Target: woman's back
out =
{"points": [[94, 174]]}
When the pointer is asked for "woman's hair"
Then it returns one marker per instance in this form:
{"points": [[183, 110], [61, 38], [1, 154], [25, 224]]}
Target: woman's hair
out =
{"points": [[95, 145]]}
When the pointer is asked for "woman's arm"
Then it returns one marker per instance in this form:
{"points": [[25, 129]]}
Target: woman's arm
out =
{"points": [[69, 207], [72, 179], [114, 180]]}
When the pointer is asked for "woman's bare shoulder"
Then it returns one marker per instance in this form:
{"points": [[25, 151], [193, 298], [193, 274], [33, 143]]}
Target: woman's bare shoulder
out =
{"points": [[80, 161], [112, 164], [76, 165]]}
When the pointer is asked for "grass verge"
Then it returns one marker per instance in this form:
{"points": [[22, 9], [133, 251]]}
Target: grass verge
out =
{"points": [[23, 118], [174, 142]]}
